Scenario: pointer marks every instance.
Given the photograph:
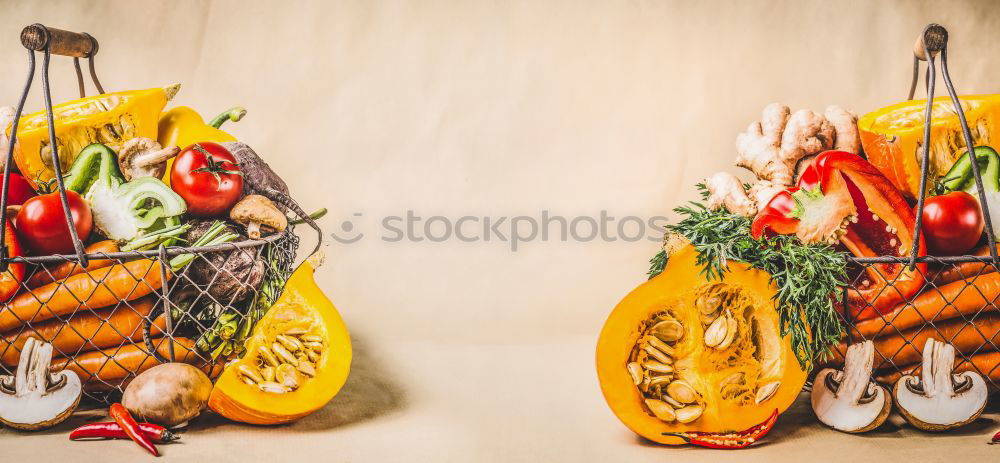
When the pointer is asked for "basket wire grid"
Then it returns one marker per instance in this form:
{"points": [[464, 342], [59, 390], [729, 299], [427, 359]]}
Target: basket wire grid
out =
{"points": [[898, 341], [147, 324]]}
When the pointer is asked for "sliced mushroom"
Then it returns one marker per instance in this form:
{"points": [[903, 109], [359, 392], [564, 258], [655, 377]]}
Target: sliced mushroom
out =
{"points": [[940, 399], [34, 398], [144, 157], [849, 400], [256, 212]]}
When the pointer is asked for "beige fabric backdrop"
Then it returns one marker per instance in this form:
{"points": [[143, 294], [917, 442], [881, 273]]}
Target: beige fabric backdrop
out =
{"points": [[469, 351]]}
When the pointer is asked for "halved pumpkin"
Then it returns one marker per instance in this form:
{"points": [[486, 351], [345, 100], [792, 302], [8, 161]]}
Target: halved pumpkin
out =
{"points": [[297, 359], [681, 353]]}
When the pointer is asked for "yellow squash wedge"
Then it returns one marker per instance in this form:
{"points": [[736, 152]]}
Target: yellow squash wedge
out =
{"points": [[682, 354], [111, 118], [892, 136], [297, 359]]}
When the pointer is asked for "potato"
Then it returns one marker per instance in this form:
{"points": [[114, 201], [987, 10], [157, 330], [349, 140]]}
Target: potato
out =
{"points": [[169, 394]]}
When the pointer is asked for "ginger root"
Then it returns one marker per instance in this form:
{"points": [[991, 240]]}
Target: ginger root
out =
{"points": [[781, 141], [726, 190]]}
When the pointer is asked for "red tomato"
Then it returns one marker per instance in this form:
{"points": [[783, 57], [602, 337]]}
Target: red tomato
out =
{"points": [[41, 224], [19, 190], [207, 177], [952, 223]]}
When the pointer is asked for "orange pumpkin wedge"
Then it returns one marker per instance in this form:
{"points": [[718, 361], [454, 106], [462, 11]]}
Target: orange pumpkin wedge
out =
{"points": [[682, 354], [297, 359]]}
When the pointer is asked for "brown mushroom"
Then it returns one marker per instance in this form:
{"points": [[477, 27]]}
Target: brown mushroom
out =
{"points": [[144, 157], [256, 211]]}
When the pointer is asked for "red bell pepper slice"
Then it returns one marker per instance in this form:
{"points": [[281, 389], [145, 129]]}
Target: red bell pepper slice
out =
{"points": [[843, 198]]}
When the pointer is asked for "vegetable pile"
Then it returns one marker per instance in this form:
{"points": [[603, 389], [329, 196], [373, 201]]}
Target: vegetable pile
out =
{"points": [[133, 184], [824, 190]]}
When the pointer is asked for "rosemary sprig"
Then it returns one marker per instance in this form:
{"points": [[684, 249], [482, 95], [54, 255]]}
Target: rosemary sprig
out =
{"points": [[807, 276]]}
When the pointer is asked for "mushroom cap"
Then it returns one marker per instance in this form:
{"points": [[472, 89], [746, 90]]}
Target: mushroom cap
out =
{"points": [[938, 399], [259, 209], [849, 400], [149, 152], [39, 399]]}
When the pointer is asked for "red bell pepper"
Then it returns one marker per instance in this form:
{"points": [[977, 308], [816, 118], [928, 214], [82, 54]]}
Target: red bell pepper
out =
{"points": [[10, 281], [843, 198]]}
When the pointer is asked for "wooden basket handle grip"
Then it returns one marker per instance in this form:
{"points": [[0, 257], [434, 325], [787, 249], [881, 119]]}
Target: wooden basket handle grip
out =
{"points": [[935, 37], [76, 44]]}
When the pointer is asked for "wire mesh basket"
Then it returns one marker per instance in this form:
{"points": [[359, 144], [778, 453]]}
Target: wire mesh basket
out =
{"points": [[952, 284], [131, 310]]}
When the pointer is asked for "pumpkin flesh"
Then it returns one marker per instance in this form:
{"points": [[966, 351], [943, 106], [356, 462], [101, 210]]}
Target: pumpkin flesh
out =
{"points": [[737, 384]]}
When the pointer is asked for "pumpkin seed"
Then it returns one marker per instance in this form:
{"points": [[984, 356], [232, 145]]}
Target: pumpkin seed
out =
{"points": [[682, 392], [267, 356], [731, 327], [307, 369], [767, 391], [668, 330], [290, 343], [316, 346], [656, 353], [708, 304], [312, 355], [660, 380], [658, 367], [661, 410], [312, 338], [283, 354], [660, 345], [671, 401], [689, 413], [635, 371], [268, 373], [296, 331], [287, 376], [251, 373], [271, 386], [716, 332], [248, 381]]}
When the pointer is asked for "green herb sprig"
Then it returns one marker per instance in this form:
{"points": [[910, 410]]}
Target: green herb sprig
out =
{"points": [[808, 277]]}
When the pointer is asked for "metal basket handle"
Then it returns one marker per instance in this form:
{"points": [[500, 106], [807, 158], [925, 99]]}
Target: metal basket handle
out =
{"points": [[931, 42], [37, 37]]}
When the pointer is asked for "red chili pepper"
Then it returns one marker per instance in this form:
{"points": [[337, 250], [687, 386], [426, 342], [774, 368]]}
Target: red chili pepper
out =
{"points": [[995, 439], [131, 428], [731, 440], [841, 197], [111, 430]]}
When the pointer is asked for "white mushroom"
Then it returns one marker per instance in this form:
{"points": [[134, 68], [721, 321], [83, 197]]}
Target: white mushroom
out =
{"points": [[940, 399], [144, 157], [34, 398], [256, 212], [849, 400]]}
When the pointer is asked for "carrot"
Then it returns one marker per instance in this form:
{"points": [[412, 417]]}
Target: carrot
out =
{"points": [[963, 297], [987, 363], [965, 270], [65, 269], [84, 291], [85, 331], [905, 348], [120, 362]]}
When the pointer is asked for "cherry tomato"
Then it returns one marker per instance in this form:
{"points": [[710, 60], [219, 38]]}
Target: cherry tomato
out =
{"points": [[41, 223], [207, 177], [19, 190], [952, 223]]}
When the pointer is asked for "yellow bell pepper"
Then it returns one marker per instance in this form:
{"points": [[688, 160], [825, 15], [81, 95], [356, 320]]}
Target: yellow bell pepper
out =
{"points": [[183, 127], [111, 119]]}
